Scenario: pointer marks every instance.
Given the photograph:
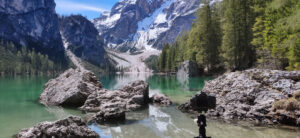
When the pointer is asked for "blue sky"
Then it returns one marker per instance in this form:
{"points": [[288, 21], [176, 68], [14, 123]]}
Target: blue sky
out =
{"points": [[89, 8]]}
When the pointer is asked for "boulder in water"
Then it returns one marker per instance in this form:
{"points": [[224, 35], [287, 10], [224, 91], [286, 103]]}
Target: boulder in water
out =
{"points": [[160, 99], [188, 69], [71, 127], [112, 105], [70, 89], [130, 97], [251, 94]]}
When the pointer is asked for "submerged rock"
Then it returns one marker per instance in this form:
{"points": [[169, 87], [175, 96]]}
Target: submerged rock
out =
{"points": [[112, 105], [70, 89], [160, 99], [71, 127], [108, 115], [250, 94]]}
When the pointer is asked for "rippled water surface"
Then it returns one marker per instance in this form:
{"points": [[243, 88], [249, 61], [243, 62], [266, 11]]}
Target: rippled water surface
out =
{"points": [[19, 109]]}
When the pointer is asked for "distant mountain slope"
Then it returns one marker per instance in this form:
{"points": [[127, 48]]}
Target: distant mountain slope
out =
{"points": [[144, 24], [82, 38], [32, 23]]}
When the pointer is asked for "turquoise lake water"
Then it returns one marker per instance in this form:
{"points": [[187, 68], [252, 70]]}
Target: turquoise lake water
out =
{"points": [[19, 109]]}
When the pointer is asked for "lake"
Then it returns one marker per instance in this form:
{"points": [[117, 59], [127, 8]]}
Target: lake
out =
{"points": [[19, 109]]}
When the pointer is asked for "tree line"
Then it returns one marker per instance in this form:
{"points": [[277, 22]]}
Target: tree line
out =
{"points": [[16, 60], [239, 34]]}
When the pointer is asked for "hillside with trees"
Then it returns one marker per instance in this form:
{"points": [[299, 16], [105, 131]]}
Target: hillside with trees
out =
{"points": [[16, 60], [239, 34]]}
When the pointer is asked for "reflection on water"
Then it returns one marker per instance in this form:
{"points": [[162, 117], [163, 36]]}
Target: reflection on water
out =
{"points": [[168, 122], [19, 109], [178, 91]]}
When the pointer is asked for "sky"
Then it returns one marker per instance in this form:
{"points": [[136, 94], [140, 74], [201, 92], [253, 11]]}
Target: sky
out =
{"points": [[89, 8]]}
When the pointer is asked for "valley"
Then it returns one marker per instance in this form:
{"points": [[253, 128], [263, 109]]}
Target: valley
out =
{"points": [[133, 63]]}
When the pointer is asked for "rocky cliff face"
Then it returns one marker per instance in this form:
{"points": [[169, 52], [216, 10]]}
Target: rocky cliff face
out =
{"points": [[82, 38], [31, 23], [144, 24]]}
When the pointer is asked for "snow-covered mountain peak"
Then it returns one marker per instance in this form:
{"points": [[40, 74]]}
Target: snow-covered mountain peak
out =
{"points": [[144, 24]]}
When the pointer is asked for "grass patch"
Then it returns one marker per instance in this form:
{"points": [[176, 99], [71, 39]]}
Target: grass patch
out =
{"points": [[297, 95], [290, 104]]}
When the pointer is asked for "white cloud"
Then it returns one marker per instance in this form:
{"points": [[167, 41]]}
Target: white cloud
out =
{"points": [[68, 6]]}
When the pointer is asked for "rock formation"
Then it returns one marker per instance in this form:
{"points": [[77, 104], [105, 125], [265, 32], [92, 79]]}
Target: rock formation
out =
{"points": [[112, 105], [71, 127], [81, 88], [70, 89], [160, 99], [251, 94], [188, 69]]}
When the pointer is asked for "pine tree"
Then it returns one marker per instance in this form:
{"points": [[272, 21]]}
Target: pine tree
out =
{"points": [[238, 52], [163, 58], [208, 40]]}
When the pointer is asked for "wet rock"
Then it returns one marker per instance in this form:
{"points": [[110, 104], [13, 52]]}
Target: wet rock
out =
{"points": [[160, 99], [108, 115], [70, 89], [250, 94], [71, 127], [130, 97], [188, 69], [112, 105]]}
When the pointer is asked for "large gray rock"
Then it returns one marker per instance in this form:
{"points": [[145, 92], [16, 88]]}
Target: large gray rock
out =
{"points": [[71, 127], [83, 39], [130, 97], [112, 105], [32, 23], [70, 89], [250, 94], [188, 69]]}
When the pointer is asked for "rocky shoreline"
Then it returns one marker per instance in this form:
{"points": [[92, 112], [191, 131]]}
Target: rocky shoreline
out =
{"points": [[262, 96], [71, 127], [81, 89]]}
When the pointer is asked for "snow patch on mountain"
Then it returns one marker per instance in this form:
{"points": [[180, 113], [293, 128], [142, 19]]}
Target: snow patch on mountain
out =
{"points": [[109, 22], [148, 29], [140, 25]]}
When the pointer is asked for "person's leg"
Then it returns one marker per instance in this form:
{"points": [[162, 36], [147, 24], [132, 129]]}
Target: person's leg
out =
{"points": [[203, 132]]}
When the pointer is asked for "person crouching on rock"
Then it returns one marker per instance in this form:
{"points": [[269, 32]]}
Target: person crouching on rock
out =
{"points": [[202, 124]]}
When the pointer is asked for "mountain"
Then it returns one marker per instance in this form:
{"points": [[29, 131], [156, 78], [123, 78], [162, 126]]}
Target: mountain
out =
{"points": [[145, 24], [32, 23], [82, 38]]}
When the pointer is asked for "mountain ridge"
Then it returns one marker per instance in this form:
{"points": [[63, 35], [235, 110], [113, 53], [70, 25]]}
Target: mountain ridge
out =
{"points": [[128, 27]]}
